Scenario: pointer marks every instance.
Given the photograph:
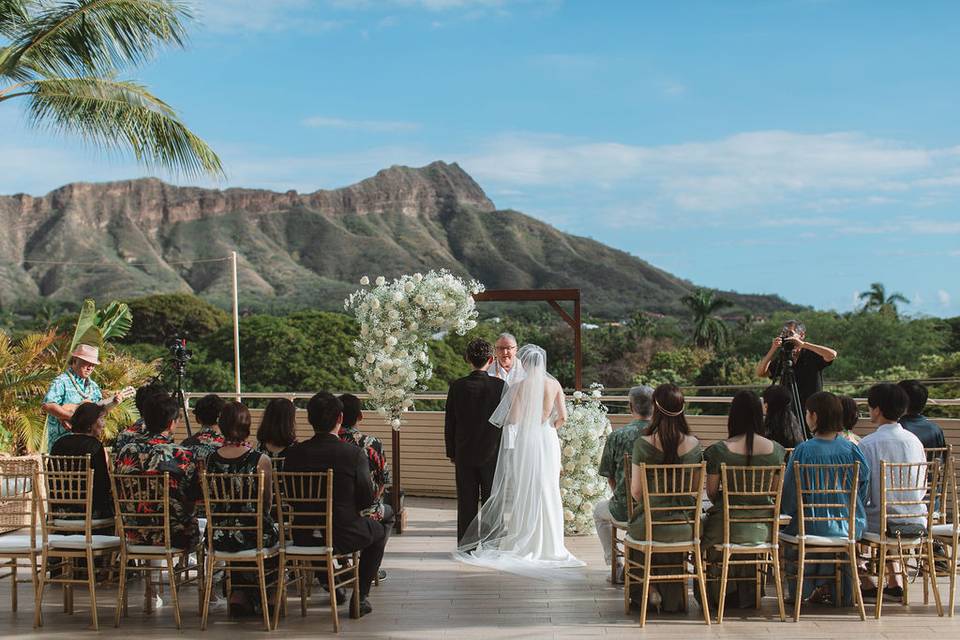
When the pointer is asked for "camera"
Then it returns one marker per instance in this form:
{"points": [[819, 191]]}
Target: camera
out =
{"points": [[181, 355]]}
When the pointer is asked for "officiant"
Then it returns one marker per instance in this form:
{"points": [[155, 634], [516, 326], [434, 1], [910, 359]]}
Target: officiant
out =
{"points": [[506, 366]]}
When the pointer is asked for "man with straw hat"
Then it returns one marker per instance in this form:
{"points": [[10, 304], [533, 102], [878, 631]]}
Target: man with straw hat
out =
{"points": [[72, 388]]}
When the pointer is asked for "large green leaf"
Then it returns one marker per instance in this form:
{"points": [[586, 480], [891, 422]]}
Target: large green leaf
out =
{"points": [[86, 331], [115, 321]]}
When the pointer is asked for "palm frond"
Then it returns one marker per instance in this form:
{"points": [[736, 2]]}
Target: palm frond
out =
{"points": [[86, 331], [98, 36], [13, 15], [115, 321], [115, 114]]}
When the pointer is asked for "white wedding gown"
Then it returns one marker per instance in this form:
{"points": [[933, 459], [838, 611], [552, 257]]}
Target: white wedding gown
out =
{"points": [[520, 527]]}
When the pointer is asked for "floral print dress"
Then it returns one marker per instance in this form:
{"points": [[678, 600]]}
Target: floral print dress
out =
{"points": [[232, 541]]}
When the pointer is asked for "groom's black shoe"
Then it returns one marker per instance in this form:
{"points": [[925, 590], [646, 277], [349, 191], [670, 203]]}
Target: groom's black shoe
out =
{"points": [[365, 608]]}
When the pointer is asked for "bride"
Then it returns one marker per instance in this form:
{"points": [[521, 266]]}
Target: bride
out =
{"points": [[520, 527]]}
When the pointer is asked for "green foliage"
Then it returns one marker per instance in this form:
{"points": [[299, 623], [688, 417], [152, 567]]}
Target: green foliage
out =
{"points": [[158, 318], [876, 299], [708, 330], [63, 58], [96, 327]]}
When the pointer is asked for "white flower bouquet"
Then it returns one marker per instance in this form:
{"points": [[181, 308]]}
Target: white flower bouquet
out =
{"points": [[581, 444], [396, 319]]}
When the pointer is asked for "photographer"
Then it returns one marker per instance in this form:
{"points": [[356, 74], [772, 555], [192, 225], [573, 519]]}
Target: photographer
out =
{"points": [[808, 359]]}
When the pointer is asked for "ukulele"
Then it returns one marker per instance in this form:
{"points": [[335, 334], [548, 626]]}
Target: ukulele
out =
{"points": [[115, 399]]}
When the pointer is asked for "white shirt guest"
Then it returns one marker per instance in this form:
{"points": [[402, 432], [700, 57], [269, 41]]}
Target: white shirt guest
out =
{"points": [[505, 365]]}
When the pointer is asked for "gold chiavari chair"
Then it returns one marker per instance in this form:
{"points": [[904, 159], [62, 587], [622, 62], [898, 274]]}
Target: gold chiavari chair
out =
{"points": [[825, 493], [751, 497], [227, 500], [308, 499], [672, 496], [904, 486], [68, 525], [142, 508], [18, 521], [948, 533], [616, 542]]}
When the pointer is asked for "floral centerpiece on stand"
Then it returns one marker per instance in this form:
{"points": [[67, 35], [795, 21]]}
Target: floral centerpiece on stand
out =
{"points": [[397, 318], [581, 444]]}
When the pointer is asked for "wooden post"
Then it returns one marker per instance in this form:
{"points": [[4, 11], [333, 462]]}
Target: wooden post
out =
{"points": [[236, 326], [395, 492], [578, 352]]}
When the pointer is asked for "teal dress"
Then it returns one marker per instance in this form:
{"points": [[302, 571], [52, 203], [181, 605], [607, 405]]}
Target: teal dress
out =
{"points": [[742, 593], [671, 593], [829, 452]]}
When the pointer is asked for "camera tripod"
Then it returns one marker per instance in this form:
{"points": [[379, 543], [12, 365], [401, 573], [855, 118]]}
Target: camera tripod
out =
{"points": [[180, 358], [788, 379]]}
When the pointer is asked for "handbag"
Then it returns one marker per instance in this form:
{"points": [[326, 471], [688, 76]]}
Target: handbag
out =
{"points": [[906, 530]]}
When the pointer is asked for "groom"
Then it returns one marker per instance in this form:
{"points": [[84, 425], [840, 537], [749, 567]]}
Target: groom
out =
{"points": [[472, 442]]}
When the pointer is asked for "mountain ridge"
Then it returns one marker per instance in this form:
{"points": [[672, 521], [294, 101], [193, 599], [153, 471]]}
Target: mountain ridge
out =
{"points": [[145, 236]]}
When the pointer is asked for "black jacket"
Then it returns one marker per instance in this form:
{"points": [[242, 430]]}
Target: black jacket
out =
{"points": [[471, 400], [352, 489]]}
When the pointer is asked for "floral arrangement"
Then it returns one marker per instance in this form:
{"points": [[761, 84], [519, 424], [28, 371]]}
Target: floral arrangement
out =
{"points": [[581, 444], [396, 320]]}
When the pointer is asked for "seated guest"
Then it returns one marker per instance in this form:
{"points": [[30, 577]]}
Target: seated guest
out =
{"points": [[278, 428], [138, 428], [781, 423], [156, 453], [235, 456], [208, 438], [851, 415], [620, 443], [84, 439], [745, 447], [372, 447], [889, 443], [825, 420], [929, 433], [667, 441], [352, 490]]}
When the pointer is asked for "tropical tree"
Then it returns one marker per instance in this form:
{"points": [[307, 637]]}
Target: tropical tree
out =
{"points": [[708, 329], [64, 58], [876, 299], [26, 368]]}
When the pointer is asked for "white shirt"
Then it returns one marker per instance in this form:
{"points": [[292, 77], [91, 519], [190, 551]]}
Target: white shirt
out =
{"points": [[509, 377], [892, 443]]}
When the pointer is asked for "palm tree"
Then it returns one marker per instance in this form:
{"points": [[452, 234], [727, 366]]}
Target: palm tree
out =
{"points": [[26, 369], [876, 299], [63, 59], [708, 330]]}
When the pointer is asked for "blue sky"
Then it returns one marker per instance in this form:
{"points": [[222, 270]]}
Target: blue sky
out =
{"points": [[802, 147]]}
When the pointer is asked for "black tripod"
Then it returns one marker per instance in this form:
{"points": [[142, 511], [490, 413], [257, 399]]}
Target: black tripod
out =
{"points": [[180, 358], [788, 379]]}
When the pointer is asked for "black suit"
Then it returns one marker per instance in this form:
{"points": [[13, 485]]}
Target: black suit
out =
{"points": [[472, 442], [352, 492]]}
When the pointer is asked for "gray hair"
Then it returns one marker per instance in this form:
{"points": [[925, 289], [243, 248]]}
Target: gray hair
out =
{"points": [[509, 336], [641, 400], [796, 325]]}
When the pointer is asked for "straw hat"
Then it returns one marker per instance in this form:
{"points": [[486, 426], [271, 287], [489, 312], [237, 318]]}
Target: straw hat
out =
{"points": [[86, 353]]}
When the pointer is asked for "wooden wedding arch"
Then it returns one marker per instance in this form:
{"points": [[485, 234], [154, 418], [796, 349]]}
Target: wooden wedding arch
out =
{"points": [[553, 297]]}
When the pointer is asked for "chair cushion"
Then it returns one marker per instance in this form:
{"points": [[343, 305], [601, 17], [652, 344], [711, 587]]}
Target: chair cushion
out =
{"points": [[819, 541], [659, 545], [247, 553], [17, 544], [147, 548], [621, 524], [300, 550], [747, 547], [936, 530], [77, 525], [870, 536], [78, 542]]}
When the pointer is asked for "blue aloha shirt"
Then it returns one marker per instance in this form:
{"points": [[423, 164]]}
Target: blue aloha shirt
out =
{"points": [[68, 388], [619, 443]]}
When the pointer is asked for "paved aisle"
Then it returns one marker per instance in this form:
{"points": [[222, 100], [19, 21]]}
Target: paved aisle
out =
{"points": [[428, 595]]}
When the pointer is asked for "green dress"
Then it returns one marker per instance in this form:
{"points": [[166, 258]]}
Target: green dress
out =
{"points": [[671, 593], [740, 533]]}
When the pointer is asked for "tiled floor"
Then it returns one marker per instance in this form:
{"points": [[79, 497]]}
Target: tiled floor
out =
{"points": [[428, 595]]}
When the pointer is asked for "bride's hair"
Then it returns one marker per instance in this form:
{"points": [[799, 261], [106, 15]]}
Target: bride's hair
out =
{"points": [[668, 424]]}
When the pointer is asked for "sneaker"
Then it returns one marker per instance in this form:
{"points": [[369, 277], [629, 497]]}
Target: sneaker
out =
{"points": [[893, 594], [381, 575], [365, 608]]}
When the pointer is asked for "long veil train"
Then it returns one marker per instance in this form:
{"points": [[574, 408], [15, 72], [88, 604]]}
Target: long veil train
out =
{"points": [[520, 527]]}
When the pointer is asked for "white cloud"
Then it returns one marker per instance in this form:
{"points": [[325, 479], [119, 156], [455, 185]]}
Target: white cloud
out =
{"points": [[943, 297], [245, 16], [746, 171], [374, 126]]}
